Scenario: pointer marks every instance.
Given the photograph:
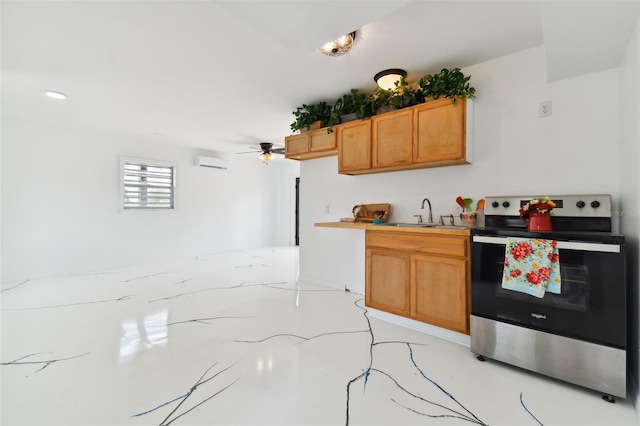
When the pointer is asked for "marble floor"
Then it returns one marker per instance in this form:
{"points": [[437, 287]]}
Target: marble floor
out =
{"points": [[232, 338]]}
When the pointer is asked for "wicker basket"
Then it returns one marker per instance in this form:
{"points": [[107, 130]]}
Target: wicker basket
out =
{"points": [[369, 212]]}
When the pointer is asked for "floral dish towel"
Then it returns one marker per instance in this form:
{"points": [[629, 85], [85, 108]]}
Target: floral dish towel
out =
{"points": [[531, 266]]}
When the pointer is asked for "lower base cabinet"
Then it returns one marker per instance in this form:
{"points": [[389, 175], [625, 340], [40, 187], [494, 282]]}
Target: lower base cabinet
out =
{"points": [[388, 284], [419, 276], [439, 292]]}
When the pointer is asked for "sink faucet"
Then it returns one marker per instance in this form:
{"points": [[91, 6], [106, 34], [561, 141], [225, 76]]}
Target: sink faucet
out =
{"points": [[450, 216], [430, 220]]}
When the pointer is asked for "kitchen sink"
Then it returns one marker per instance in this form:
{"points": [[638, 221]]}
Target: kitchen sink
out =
{"points": [[423, 225], [411, 225]]}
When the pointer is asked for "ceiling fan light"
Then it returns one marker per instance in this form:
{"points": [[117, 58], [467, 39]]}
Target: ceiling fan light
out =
{"points": [[387, 79], [266, 157], [339, 46]]}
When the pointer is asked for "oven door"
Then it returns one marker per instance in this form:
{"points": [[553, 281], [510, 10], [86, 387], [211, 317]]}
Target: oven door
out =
{"points": [[591, 306]]}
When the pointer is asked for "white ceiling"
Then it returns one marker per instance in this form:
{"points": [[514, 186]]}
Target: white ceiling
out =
{"points": [[223, 76]]}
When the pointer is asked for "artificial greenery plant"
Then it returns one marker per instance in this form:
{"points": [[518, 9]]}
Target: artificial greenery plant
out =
{"points": [[306, 115], [405, 95], [380, 98], [449, 83], [351, 103], [446, 83]]}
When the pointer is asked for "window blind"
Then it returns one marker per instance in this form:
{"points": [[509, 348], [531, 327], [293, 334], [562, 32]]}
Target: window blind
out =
{"points": [[148, 186]]}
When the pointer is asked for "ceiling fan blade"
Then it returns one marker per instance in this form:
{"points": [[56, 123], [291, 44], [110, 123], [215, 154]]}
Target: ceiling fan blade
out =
{"points": [[265, 148]]}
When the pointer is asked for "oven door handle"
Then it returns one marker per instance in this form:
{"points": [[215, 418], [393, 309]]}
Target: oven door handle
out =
{"points": [[565, 245]]}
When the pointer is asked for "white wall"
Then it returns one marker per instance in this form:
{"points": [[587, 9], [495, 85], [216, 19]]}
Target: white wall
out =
{"points": [[576, 150], [630, 183], [61, 207]]}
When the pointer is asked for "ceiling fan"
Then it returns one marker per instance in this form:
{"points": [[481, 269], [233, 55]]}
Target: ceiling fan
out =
{"points": [[266, 151]]}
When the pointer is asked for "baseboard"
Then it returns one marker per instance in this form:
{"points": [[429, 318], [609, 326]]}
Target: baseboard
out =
{"points": [[324, 283], [452, 336]]}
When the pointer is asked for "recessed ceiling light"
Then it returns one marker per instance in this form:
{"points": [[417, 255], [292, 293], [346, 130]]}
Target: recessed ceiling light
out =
{"points": [[55, 95]]}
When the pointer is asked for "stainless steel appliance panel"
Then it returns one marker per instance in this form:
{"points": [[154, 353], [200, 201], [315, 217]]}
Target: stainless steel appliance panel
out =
{"points": [[597, 367]]}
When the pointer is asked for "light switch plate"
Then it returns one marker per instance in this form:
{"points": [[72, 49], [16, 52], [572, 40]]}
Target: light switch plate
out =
{"points": [[544, 109]]}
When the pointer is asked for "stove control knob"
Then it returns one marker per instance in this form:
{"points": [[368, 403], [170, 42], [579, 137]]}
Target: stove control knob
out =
{"points": [[595, 204], [495, 204], [580, 204], [505, 204]]}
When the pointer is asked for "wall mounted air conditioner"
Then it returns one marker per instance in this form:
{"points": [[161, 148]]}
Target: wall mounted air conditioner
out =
{"points": [[212, 162]]}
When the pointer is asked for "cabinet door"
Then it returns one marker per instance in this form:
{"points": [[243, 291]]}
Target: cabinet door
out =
{"points": [[387, 278], [296, 144], [439, 291], [354, 146], [392, 138], [320, 140], [439, 132]]}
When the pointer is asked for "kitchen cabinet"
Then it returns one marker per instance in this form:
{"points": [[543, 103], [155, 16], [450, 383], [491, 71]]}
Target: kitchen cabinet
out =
{"points": [[439, 133], [313, 144], [439, 291], [296, 145], [392, 138], [422, 277], [433, 134], [354, 146], [389, 281]]}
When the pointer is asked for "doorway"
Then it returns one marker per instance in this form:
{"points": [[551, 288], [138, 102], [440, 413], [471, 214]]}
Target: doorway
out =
{"points": [[297, 211]]}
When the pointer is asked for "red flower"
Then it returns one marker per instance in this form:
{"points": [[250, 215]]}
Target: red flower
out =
{"points": [[515, 273], [544, 272], [553, 257], [537, 205], [521, 250], [553, 243], [533, 278], [506, 262]]}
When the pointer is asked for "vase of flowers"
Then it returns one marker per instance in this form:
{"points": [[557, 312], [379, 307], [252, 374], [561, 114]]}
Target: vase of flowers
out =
{"points": [[537, 214]]}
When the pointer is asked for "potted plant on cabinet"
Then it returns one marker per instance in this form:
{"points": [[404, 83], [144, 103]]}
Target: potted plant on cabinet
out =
{"points": [[405, 95], [314, 116], [447, 83], [377, 102], [349, 106]]}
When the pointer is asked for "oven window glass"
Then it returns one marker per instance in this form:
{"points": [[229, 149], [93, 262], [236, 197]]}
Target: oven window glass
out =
{"points": [[575, 289]]}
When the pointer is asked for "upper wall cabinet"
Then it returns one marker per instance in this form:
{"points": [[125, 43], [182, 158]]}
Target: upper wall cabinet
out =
{"points": [[296, 145], [433, 134], [313, 144], [439, 131], [392, 138], [354, 146]]}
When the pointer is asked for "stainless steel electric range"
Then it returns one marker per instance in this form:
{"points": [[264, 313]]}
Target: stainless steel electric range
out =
{"points": [[578, 335]]}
